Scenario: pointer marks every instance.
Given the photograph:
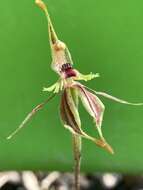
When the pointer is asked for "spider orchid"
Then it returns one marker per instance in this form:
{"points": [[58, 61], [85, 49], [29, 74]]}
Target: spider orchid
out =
{"points": [[71, 91]]}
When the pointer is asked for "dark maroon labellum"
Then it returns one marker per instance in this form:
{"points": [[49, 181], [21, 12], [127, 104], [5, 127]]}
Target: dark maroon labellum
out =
{"points": [[70, 73], [68, 70]]}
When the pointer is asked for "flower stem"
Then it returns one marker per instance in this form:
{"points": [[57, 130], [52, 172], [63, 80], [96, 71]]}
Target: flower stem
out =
{"points": [[76, 145], [77, 159]]}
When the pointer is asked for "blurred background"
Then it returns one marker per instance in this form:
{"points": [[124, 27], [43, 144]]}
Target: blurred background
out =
{"points": [[104, 37], [55, 180]]}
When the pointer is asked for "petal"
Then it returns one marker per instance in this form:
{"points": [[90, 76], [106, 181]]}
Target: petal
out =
{"points": [[69, 112], [70, 117], [92, 104], [95, 108]]}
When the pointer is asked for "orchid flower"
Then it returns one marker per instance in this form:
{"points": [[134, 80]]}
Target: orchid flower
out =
{"points": [[72, 91]]}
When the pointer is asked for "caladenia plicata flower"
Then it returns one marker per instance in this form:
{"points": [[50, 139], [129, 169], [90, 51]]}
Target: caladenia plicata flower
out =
{"points": [[71, 91]]}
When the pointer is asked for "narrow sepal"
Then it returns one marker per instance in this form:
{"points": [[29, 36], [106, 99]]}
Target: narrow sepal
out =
{"points": [[118, 99], [114, 98], [29, 116]]}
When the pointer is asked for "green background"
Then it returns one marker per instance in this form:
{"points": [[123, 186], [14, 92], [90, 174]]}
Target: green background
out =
{"points": [[103, 36]]}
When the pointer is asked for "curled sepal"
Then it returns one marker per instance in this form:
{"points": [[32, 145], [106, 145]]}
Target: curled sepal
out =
{"points": [[71, 120], [94, 107]]}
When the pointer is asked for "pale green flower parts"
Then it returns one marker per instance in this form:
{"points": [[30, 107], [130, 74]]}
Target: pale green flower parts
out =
{"points": [[56, 87]]}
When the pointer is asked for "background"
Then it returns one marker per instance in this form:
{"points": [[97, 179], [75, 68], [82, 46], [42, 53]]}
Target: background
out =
{"points": [[103, 36]]}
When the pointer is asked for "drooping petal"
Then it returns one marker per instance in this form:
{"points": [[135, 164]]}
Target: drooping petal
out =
{"points": [[71, 120]]}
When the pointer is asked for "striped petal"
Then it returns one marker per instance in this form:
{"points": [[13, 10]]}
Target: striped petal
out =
{"points": [[71, 119], [94, 107], [69, 113]]}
